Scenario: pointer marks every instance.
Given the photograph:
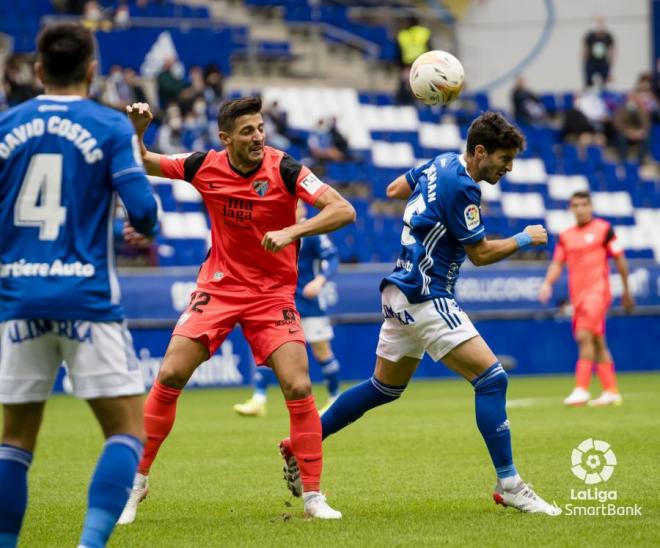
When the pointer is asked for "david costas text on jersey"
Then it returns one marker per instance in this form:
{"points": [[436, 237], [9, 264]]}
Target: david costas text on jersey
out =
{"points": [[61, 127]]}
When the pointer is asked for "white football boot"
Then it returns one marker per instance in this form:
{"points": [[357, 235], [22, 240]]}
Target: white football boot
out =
{"points": [[578, 397], [316, 506], [251, 408], [606, 398], [138, 494], [290, 469], [524, 499]]}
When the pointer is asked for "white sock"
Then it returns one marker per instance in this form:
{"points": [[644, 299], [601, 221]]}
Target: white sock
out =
{"points": [[511, 482], [259, 398]]}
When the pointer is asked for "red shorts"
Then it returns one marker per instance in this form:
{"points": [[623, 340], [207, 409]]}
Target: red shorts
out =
{"points": [[589, 314], [267, 321]]}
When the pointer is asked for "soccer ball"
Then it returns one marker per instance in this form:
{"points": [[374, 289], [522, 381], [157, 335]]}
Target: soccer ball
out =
{"points": [[436, 78]]}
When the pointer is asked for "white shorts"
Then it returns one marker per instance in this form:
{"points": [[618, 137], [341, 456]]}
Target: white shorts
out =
{"points": [[436, 327], [99, 356], [317, 329]]}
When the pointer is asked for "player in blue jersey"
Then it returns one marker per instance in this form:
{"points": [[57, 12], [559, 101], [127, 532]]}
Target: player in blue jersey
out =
{"points": [[318, 260], [63, 159], [442, 224]]}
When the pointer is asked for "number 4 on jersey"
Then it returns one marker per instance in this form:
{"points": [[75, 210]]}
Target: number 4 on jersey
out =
{"points": [[38, 202], [415, 207]]}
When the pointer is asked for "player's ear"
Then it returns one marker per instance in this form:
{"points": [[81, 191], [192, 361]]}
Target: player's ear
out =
{"points": [[480, 151], [225, 138], [39, 71]]}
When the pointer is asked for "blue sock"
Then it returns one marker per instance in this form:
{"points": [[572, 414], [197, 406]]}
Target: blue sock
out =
{"points": [[14, 464], [330, 370], [263, 376], [110, 487], [490, 407], [355, 402]]}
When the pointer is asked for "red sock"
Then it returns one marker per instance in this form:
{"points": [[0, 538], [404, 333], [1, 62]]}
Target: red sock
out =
{"points": [[306, 444], [583, 374], [159, 415], [607, 376]]}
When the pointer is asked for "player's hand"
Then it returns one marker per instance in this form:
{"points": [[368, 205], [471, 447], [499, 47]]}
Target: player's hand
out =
{"points": [[140, 116], [277, 239], [313, 288], [133, 238], [628, 302], [545, 293], [537, 233]]}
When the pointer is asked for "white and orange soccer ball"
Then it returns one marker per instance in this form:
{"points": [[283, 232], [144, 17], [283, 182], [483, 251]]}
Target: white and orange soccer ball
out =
{"points": [[436, 77]]}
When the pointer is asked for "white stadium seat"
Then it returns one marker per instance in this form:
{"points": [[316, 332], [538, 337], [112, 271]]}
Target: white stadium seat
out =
{"points": [[558, 220], [386, 154], [528, 171], [184, 225], [523, 205], [490, 193], [562, 187], [440, 136], [185, 192], [612, 204]]}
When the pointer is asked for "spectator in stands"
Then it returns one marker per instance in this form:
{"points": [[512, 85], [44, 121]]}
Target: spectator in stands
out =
{"points": [[169, 139], [578, 129], [412, 40], [338, 140], [169, 84], [20, 80], [193, 91], [650, 100], [213, 93], [122, 16], [93, 16], [276, 126], [598, 54], [135, 86], [633, 123], [321, 144], [197, 129], [117, 93], [527, 107]]}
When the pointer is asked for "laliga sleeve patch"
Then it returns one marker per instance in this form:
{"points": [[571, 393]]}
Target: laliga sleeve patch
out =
{"points": [[472, 218], [311, 183]]}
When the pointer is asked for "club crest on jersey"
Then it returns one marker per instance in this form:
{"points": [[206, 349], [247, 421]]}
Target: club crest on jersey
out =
{"points": [[589, 237], [471, 215], [260, 187]]}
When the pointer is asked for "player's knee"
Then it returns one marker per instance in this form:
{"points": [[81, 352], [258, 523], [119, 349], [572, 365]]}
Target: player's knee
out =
{"points": [[297, 389], [172, 377]]}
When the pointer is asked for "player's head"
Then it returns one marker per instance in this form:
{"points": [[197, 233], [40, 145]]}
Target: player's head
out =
{"points": [[492, 144], [242, 130], [65, 56], [580, 206]]}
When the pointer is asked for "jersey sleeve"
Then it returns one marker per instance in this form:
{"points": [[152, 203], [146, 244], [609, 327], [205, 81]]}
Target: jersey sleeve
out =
{"points": [[612, 245], [560, 251], [182, 166], [464, 217], [415, 173], [130, 180], [300, 181]]}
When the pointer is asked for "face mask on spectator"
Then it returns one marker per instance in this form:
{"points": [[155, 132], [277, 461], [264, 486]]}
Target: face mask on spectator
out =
{"points": [[175, 123], [199, 107]]}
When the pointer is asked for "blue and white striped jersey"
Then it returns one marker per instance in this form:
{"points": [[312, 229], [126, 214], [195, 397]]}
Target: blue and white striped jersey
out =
{"points": [[318, 255], [441, 216], [61, 160]]}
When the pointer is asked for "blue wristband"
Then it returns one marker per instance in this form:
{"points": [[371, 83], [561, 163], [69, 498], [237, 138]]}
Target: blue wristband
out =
{"points": [[522, 239]]}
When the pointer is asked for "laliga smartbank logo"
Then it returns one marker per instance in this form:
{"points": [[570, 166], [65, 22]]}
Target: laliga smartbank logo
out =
{"points": [[593, 462]]}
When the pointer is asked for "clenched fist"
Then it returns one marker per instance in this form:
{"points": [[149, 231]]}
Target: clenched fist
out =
{"points": [[277, 239], [140, 116], [537, 233]]}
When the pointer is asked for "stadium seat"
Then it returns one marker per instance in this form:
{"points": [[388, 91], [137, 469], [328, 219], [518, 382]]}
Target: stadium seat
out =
{"points": [[528, 205], [562, 187]]}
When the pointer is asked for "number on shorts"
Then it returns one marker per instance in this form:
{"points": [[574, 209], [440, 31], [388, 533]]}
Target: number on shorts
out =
{"points": [[197, 299]]}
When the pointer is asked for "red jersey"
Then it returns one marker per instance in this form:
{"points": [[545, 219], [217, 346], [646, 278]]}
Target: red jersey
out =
{"points": [[243, 207], [586, 250]]}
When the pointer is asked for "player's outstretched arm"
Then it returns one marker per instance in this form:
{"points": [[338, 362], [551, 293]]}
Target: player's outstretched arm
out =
{"points": [[335, 212], [487, 251], [141, 116], [399, 189], [554, 271]]}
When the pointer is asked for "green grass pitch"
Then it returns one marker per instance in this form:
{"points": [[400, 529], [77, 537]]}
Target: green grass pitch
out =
{"points": [[414, 473]]}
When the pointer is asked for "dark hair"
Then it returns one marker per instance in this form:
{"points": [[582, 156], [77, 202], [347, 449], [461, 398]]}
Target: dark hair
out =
{"points": [[231, 110], [494, 132], [65, 51], [581, 194]]}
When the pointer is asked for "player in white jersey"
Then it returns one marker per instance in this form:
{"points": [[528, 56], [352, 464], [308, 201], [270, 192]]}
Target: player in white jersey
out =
{"points": [[442, 224], [63, 159]]}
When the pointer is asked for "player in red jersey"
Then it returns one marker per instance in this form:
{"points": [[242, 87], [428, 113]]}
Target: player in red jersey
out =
{"points": [[249, 278], [585, 249]]}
